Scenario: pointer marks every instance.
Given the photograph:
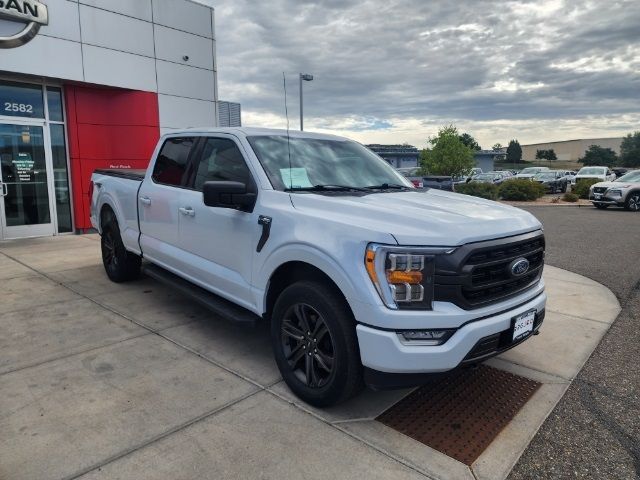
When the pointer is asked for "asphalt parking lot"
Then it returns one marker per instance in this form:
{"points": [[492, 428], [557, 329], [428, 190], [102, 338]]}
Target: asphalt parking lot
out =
{"points": [[115, 381], [594, 432]]}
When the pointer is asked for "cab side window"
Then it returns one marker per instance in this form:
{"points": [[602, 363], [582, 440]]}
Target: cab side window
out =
{"points": [[221, 160], [171, 166]]}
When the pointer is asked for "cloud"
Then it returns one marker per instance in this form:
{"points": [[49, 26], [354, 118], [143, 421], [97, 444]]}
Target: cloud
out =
{"points": [[394, 70]]}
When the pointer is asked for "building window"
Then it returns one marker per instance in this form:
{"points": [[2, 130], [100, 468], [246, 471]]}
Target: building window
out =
{"points": [[20, 100], [54, 104]]}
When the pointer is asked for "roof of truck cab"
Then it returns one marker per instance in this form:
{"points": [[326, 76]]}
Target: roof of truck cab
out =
{"points": [[254, 132]]}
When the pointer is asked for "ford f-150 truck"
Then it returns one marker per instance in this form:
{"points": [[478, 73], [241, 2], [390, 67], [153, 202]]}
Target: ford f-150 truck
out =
{"points": [[363, 278]]}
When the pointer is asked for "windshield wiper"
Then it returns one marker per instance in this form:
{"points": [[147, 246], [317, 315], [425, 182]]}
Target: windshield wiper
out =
{"points": [[326, 188], [387, 186]]}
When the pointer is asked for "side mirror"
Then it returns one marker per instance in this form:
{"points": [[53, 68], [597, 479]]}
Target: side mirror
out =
{"points": [[233, 195]]}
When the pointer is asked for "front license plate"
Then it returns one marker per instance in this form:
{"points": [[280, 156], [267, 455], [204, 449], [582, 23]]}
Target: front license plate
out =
{"points": [[597, 196], [523, 324]]}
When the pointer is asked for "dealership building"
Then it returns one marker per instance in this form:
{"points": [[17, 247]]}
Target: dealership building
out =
{"points": [[93, 84]]}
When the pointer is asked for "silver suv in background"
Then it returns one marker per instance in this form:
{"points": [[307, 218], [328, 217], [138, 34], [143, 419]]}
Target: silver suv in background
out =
{"points": [[623, 192]]}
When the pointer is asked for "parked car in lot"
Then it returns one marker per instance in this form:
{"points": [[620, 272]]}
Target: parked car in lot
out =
{"points": [[603, 174], [554, 180], [570, 177], [363, 278], [413, 175], [622, 192], [530, 172], [495, 178], [441, 182], [505, 173], [468, 177]]}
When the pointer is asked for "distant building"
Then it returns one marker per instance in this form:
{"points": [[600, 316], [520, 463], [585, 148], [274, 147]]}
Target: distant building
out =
{"points": [[229, 114], [485, 159], [570, 150], [398, 156]]}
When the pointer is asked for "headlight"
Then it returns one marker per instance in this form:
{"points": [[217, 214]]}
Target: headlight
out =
{"points": [[614, 193], [403, 276]]}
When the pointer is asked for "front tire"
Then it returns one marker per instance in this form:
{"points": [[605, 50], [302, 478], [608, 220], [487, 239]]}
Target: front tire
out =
{"points": [[314, 341], [633, 202], [120, 265]]}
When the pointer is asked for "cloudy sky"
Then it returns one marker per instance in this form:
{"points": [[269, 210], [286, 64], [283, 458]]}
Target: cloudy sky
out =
{"points": [[393, 71]]}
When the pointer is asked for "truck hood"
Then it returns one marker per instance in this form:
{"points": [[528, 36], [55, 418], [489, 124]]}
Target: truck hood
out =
{"points": [[431, 217]]}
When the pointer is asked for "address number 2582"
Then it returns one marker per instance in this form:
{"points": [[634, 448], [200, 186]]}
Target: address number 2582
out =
{"points": [[18, 107]]}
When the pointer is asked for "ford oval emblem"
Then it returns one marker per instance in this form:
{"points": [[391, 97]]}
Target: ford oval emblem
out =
{"points": [[519, 267]]}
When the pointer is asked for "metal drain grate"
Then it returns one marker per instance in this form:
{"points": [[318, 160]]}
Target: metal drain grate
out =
{"points": [[460, 414]]}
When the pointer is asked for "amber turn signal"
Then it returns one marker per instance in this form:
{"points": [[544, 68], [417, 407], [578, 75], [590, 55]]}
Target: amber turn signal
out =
{"points": [[370, 264], [401, 276]]}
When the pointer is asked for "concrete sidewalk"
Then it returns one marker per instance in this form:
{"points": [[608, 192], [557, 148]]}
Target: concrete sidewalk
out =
{"points": [[133, 381]]}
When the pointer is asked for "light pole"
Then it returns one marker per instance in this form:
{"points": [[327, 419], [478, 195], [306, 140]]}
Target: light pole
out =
{"points": [[307, 78]]}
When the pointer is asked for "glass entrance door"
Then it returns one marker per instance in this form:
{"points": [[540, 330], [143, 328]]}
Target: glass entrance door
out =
{"points": [[25, 193]]}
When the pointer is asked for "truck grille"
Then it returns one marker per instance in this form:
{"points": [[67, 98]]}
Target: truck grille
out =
{"points": [[479, 274], [599, 189]]}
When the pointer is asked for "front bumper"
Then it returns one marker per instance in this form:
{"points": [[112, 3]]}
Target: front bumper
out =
{"points": [[604, 200], [382, 350]]}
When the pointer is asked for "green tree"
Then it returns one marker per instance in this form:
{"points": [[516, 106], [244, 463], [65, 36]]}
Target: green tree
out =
{"points": [[497, 147], [597, 155], [470, 142], [630, 150], [514, 152], [549, 154], [447, 155]]}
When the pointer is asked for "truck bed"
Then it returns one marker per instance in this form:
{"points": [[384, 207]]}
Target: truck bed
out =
{"points": [[127, 173]]}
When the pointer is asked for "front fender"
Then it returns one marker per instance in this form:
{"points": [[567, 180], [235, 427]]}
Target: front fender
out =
{"points": [[308, 254]]}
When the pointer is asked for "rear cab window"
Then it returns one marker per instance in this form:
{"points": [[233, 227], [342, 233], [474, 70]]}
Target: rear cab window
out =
{"points": [[172, 165]]}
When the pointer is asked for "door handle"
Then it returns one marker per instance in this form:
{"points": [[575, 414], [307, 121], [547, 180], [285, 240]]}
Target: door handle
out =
{"points": [[5, 190], [188, 211], [145, 200]]}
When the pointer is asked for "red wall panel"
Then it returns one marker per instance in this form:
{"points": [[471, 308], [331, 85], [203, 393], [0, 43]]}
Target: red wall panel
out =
{"points": [[107, 128]]}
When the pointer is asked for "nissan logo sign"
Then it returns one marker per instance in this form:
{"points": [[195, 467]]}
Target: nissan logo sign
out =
{"points": [[519, 267], [20, 21]]}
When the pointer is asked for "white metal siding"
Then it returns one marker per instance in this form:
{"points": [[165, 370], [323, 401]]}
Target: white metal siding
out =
{"points": [[135, 44]]}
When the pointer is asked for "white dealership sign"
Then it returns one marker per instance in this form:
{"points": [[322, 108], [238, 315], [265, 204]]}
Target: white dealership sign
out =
{"points": [[20, 21]]}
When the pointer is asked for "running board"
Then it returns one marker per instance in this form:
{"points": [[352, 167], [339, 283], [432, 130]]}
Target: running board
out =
{"points": [[210, 301]]}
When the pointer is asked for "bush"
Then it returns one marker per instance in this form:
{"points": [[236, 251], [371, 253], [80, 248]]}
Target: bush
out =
{"points": [[570, 197], [582, 187], [521, 189], [482, 190]]}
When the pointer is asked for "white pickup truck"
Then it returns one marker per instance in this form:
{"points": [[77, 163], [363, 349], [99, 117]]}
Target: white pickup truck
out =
{"points": [[363, 278]]}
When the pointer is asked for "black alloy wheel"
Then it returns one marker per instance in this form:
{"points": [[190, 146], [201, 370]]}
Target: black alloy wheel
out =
{"points": [[313, 334], [307, 344], [109, 255], [119, 264]]}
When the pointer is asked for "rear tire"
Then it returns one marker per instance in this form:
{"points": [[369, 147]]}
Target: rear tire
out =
{"points": [[633, 202], [120, 265], [315, 345]]}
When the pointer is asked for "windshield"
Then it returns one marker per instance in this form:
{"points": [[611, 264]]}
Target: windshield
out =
{"points": [[633, 176], [484, 176], [317, 162], [591, 171], [545, 176], [531, 170]]}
